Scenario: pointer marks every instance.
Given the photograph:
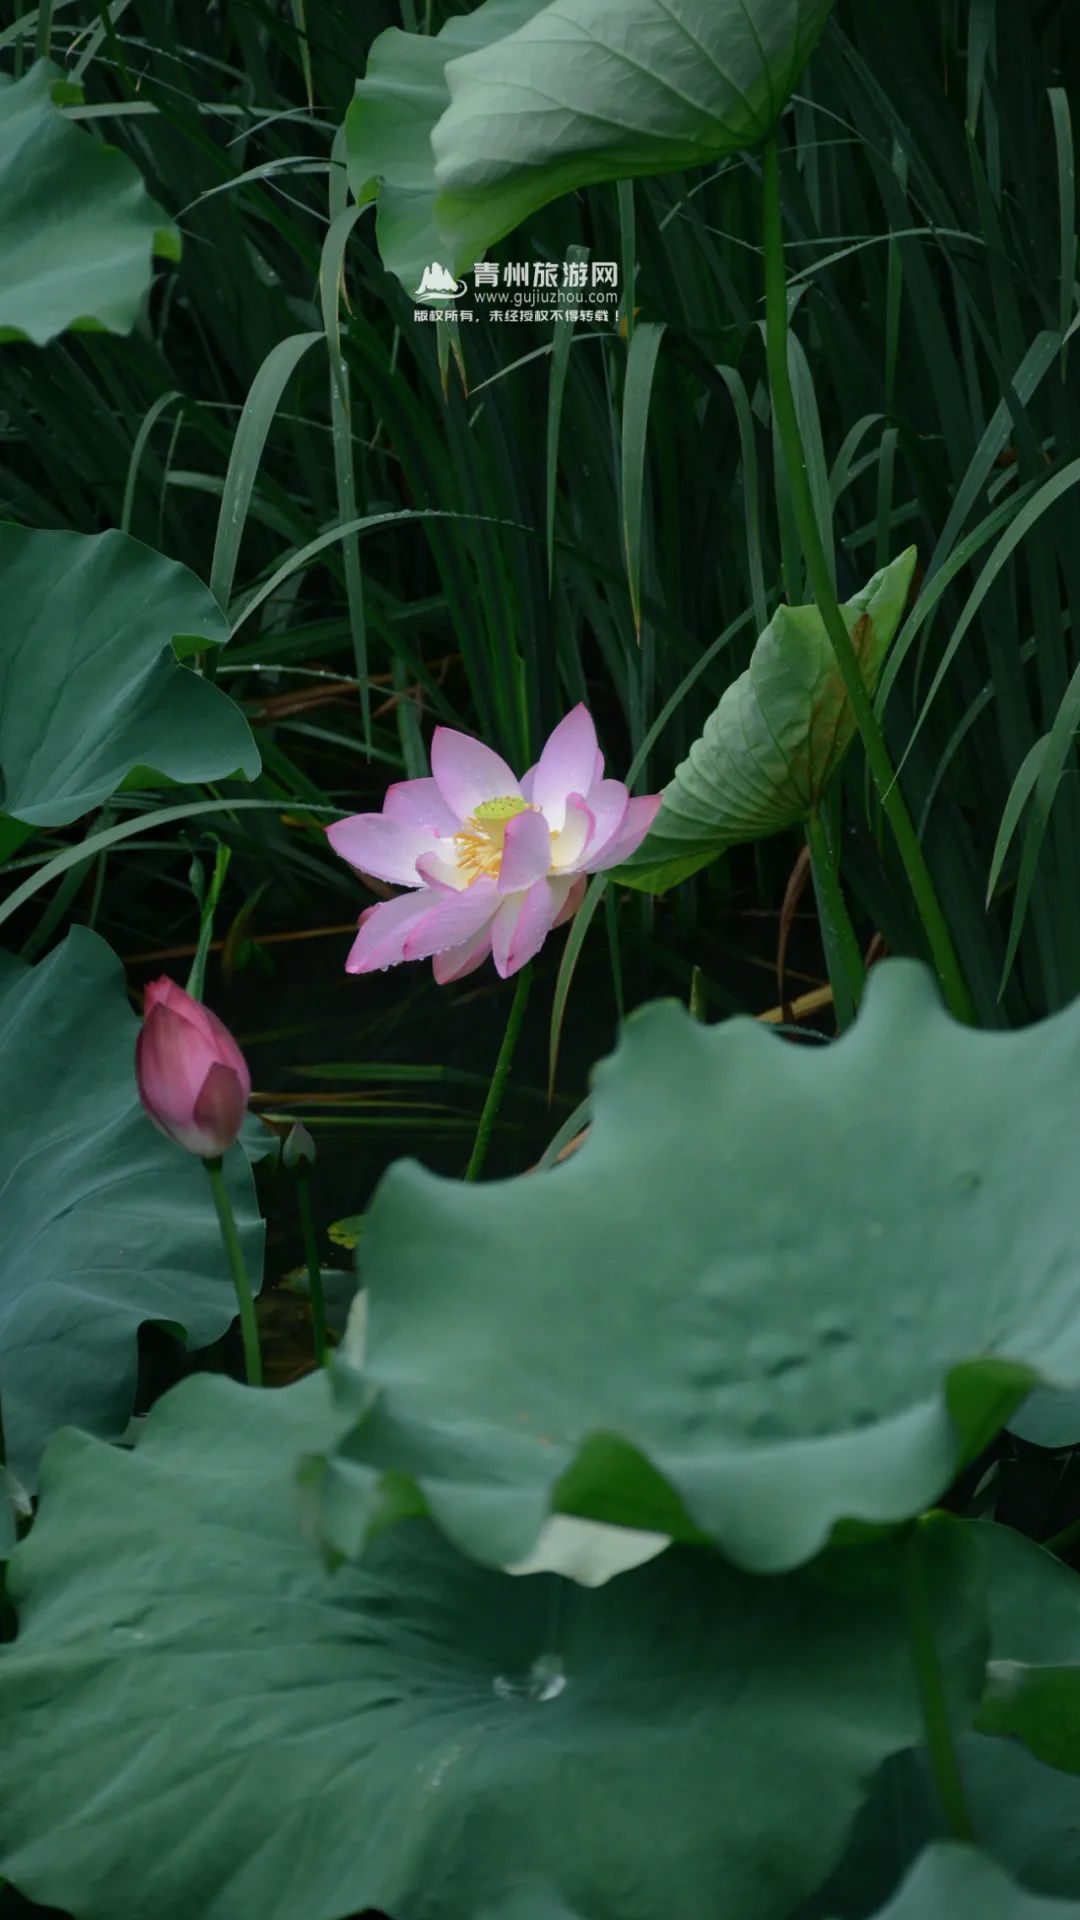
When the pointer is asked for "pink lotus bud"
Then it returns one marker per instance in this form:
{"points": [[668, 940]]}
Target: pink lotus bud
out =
{"points": [[192, 1077]]}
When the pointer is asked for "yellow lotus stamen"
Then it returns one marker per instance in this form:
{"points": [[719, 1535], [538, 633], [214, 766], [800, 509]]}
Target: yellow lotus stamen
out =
{"points": [[482, 838]]}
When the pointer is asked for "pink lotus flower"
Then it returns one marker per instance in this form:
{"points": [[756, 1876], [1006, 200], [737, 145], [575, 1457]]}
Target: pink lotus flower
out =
{"points": [[192, 1077], [493, 862]]}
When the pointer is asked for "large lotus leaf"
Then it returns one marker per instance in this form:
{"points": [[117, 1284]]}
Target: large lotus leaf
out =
{"points": [[15, 1505], [106, 1223], [529, 1903], [78, 230], [593, 90], [90, 685], [1049, 1419], [778, 1288], [1033, 1683], [950, 1881], [778, 735], [199, 1720], [1025, 1816], [388, 128], [1034, 1599]]}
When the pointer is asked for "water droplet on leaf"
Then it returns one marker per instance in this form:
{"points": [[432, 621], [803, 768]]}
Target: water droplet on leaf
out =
{"points": [[544, 1680]]}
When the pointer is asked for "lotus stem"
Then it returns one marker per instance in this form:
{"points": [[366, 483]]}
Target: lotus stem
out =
{"points": [[500, 1075], [234, 1254], [932, 1695]]}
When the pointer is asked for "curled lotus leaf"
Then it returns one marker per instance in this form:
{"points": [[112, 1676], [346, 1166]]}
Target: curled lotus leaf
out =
{"points": [[768, 752]]}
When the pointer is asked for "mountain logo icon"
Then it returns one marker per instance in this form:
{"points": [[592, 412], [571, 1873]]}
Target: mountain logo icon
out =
{"points": [[438, 284]]}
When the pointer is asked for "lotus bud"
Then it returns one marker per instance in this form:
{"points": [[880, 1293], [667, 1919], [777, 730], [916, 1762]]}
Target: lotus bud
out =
{"points": [[193, 1079], [299, 1150]]}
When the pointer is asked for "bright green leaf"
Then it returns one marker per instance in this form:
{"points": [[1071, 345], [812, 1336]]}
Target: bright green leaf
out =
{"points": [[587, 91], [106, 1223], [346, 1233], [78, 230], [725, 1313], [199, 1720], [775, 740], [90, 686]]}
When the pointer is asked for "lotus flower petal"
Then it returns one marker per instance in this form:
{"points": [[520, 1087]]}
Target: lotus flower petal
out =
{"points": [[220, 1107], [386, 849], [569, 848], [640, 815], [575, 894], [521, 926], [467, 773], [459, 961], [441, 870], [567, 765], [526, 852], [380, 941], [454, 918], [418, 803], [607, 802]]}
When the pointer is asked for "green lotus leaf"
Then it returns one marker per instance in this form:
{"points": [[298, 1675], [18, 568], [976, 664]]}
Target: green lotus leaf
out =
{"points": [[78, 230], [200, 1720], [464, 133], [762, 1300], [1026, 1817], [15, 1506], [1033, 1684], [774, 742], [1049, 1420], [388, 128], [529, 1903], [950, 1881], [90, 685], [593, 90], [107, 1224]]}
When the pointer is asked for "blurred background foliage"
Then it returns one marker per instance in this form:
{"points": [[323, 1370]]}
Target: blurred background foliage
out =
{"points": [[930, 224]]}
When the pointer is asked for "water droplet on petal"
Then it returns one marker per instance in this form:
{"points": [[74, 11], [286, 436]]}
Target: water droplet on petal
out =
{"points": [[545, 1680]]}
